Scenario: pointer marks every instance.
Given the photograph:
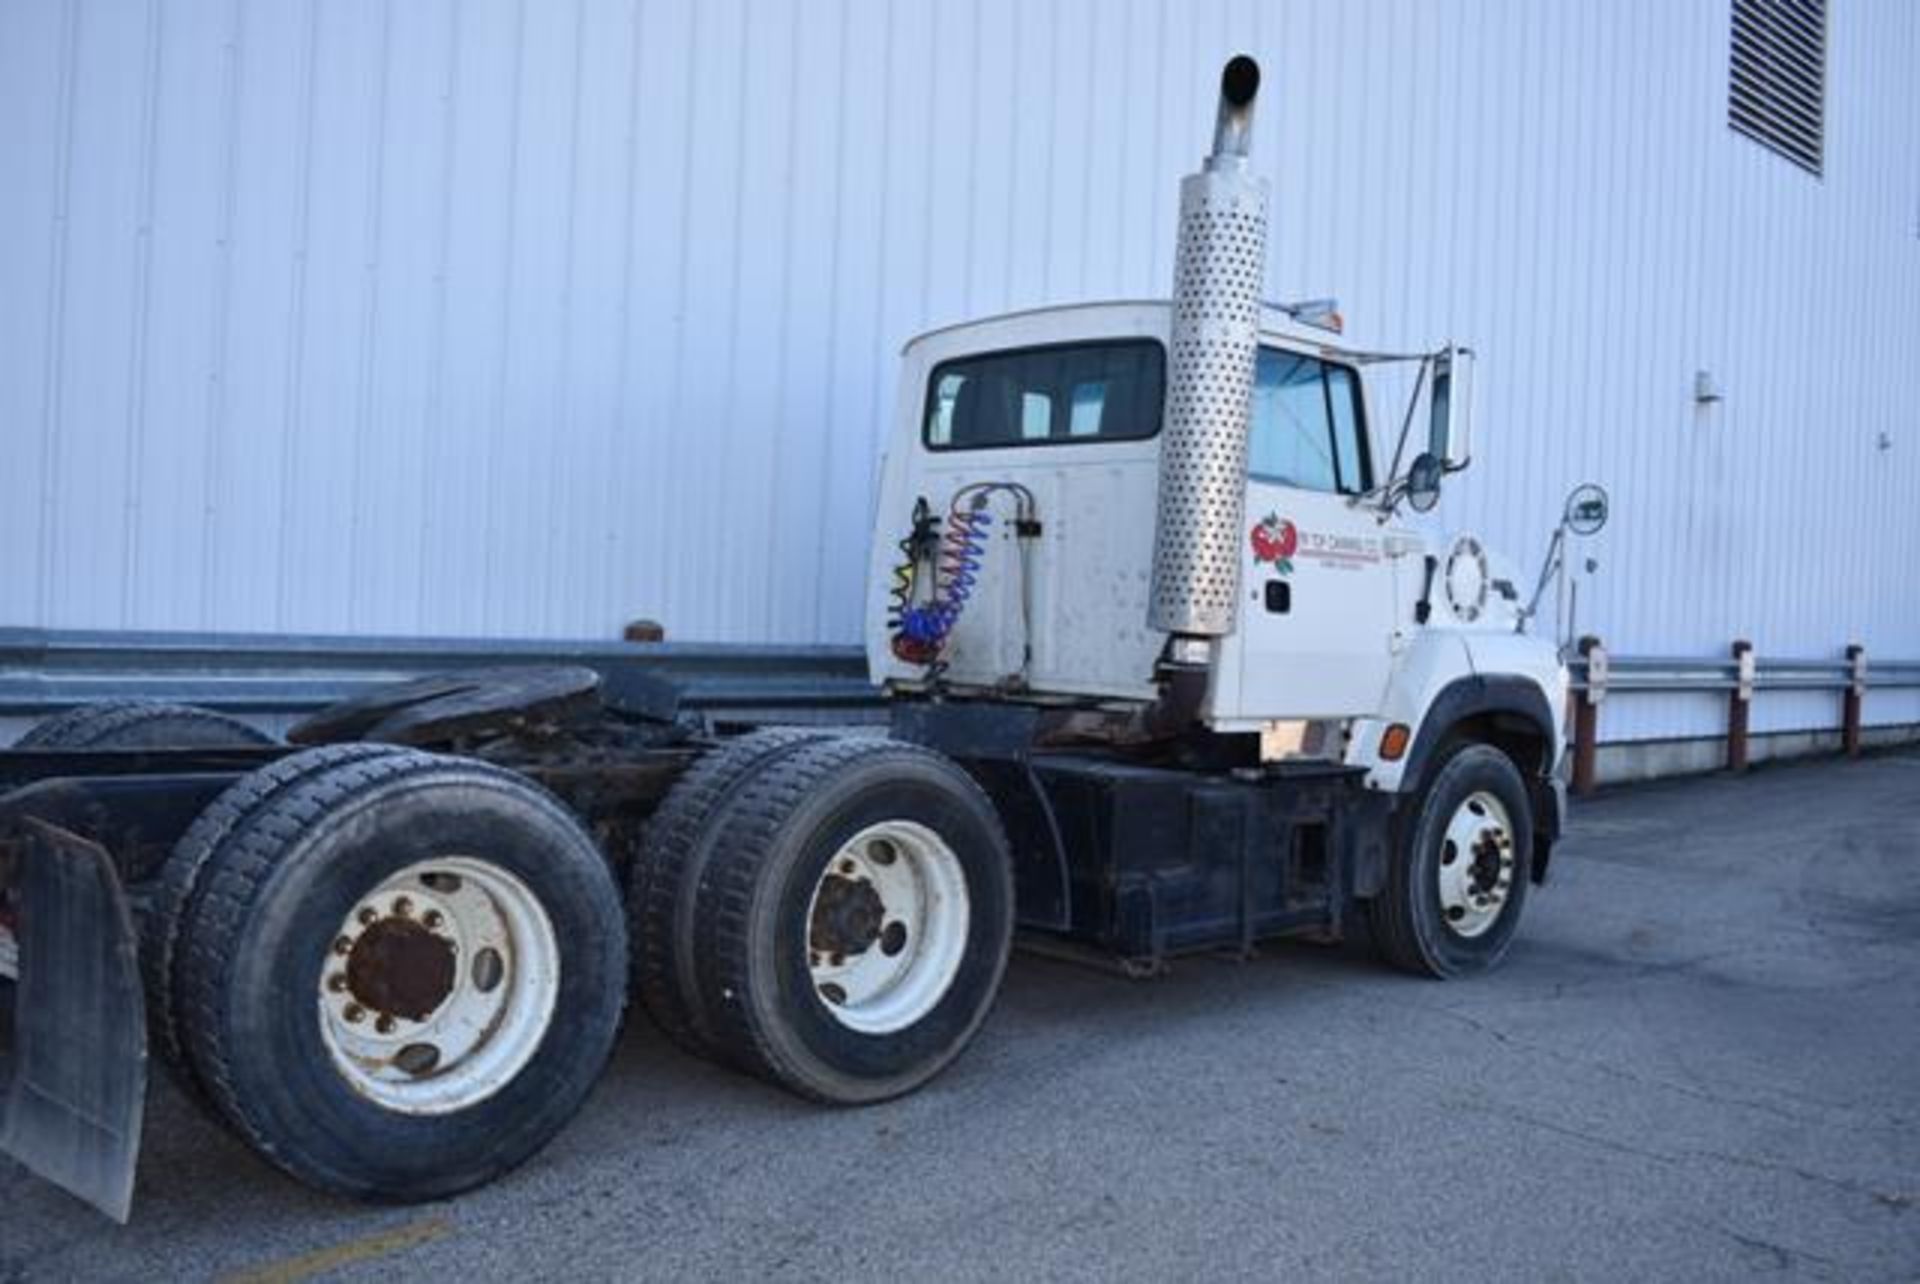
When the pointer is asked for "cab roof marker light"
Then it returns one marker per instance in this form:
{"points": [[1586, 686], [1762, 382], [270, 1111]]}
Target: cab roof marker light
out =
{"points": [[1321, 314]]}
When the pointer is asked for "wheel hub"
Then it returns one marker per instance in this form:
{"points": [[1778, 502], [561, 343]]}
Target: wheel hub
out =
{"points": [[399, 968], [1476, 866], [848, 916], [899, 887], [439, 985], [1485, 870]]}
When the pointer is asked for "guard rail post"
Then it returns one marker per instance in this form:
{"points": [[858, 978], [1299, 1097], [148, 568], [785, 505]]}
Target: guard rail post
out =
{"points": [[1851, 701], [1586, 715], [1739, 705]]}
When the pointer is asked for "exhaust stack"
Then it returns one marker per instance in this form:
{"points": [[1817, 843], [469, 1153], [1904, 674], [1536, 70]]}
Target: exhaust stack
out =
{"points": [[1218, 269]]}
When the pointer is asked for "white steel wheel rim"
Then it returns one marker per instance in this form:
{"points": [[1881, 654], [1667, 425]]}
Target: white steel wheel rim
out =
{"points": [[1475, 865], [415, 1035], [887, 927]]}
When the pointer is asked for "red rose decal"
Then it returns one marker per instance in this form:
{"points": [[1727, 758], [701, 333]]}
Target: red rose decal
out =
{"points": [[1274, 540]]}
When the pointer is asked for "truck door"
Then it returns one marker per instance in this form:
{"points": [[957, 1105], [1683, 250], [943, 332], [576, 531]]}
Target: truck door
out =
{"points": [[1318, 600]]}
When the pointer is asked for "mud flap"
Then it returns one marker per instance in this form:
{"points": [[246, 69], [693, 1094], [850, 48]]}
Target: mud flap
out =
{"points": [[78, 1089]]}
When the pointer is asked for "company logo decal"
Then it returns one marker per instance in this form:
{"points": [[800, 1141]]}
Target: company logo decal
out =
{"points": [[1278, 541], [1275, 540]]}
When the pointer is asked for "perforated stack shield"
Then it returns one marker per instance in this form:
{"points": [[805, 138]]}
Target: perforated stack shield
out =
{"points": [[1218, 269]]}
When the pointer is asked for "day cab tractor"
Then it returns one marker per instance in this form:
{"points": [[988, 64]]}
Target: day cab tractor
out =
{"points": [[1170, 667]]}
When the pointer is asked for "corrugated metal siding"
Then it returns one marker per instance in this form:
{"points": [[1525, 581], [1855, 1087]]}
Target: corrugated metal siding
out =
{"points": [[517, 317]]}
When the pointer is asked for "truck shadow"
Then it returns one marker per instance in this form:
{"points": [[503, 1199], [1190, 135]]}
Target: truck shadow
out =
{"points": [[1055, 1020]]}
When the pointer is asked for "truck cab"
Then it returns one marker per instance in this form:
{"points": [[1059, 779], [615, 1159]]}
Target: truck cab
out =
{"points": [[1032, 445], [1160, 576]]}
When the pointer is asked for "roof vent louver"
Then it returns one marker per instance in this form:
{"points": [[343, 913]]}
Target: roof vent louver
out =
{"points": [[1777, 89]]}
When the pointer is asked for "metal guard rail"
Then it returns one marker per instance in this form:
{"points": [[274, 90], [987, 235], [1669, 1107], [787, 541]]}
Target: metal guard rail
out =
{"points": [[1741, 676], [1631, 673], [45, 670]]}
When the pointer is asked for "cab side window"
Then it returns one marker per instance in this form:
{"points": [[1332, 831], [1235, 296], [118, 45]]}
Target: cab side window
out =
{"points": [[1307, 428]]}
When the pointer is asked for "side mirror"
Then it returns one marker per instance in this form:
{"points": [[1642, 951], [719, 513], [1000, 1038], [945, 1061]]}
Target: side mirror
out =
{"points": [[1586, 510], [1423, 482], [1450, 409]]}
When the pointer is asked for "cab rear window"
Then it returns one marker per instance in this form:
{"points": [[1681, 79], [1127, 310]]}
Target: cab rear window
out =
{"points": [[1083, 392]]}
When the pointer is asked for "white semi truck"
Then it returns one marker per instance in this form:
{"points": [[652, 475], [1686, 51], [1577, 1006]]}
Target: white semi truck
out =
{"points": [[1169, 669]]}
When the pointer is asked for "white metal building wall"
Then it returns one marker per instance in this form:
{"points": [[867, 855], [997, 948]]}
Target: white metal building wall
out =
{"points": [[530, 317]]}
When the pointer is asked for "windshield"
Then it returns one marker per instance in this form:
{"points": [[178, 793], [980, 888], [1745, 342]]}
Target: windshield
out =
{"points": [[1107, 391]]}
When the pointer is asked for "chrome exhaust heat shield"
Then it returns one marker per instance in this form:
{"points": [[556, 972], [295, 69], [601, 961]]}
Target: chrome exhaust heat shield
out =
{"points": [[1218, 270]]}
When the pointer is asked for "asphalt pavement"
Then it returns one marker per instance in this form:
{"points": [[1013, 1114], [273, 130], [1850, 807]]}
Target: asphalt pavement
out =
{"points": [[1701, 1061]]}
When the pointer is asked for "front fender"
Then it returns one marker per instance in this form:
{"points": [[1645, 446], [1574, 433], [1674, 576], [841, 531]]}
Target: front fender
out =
{"points": [[1448, 680], [1433, 660]]}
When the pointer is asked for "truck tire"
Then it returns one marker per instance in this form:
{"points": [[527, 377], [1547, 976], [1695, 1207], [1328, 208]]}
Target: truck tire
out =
{"points": [[138, 724], [666, 877], [180, 877], [858, 920], [1458, 882], [141, 724], [402, 974]]}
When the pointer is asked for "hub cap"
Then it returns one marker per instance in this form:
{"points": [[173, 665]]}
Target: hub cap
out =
{"points": [[439, 986], [887, 927], [1476, 865]]}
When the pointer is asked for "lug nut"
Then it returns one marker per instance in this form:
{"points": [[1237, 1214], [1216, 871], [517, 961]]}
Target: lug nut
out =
{"points": [[846, 867], [337, 982], [367, 917], [431, 919], [343, 945], [383, 1023], [402, 906], [354, 1014]]}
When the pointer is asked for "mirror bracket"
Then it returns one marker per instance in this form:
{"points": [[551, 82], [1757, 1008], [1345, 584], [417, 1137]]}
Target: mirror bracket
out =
{"points": [[1585, 513]]}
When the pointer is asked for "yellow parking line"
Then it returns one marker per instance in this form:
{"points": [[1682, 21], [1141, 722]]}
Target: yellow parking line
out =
{"points": [[363, 1249]]}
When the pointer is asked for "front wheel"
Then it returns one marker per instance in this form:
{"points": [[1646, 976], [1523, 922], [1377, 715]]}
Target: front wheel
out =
{"points": [[1459, 879]]}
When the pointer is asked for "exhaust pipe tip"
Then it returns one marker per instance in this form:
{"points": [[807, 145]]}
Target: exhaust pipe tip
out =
{"points": [[1233, 126], [1239, 81]]}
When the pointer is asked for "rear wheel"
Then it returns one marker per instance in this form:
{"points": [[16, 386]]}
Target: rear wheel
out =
{"points": [[180, 879], [136, 724], [402, 975], [858, 920], [1458, 882], [667, 877]]}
